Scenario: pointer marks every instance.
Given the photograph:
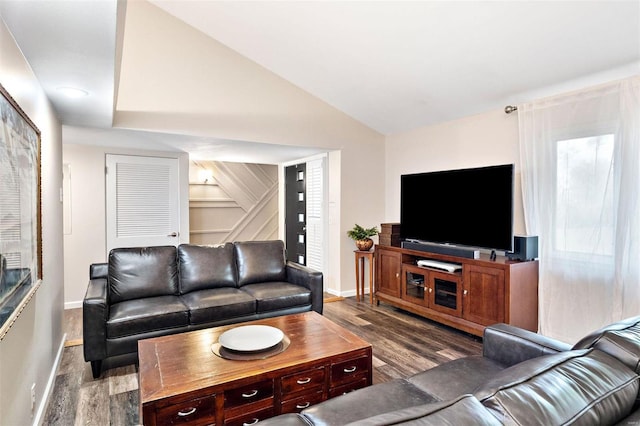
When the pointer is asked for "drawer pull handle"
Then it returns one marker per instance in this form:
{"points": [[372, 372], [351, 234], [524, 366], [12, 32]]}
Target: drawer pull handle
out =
{"points": [[252, 422], [250, 394], [304, 381], [350, 369], [303, 406], [189, 412]]}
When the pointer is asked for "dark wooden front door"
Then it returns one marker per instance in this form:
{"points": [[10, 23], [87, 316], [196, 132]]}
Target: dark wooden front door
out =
{"points": [[296, 214]]}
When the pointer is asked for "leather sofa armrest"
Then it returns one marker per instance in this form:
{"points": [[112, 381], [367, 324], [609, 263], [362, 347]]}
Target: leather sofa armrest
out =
{"points": [[95, 311], [309, 278], [509, 345], [98, 270]]}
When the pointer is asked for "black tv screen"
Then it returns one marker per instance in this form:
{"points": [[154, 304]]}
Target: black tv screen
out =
{"points": [[468, 207]]}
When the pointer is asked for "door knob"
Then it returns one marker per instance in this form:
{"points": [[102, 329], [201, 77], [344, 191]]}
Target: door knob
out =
{"points": [[173, 234]]}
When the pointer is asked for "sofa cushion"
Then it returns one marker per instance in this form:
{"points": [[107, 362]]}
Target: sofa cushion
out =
{"points": [[463, 410], [142, 272], [620, 340], [260, 261], [457, 377], [272, 296], [366, 402], [144, 315], [218, 304], [204, 267], [577, 387]]}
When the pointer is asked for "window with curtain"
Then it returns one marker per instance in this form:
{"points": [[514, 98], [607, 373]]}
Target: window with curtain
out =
{"points": [[584, 211], [580, 161]]}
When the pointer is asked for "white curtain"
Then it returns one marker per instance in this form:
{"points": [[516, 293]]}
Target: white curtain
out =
{"points": [[580, 162]]}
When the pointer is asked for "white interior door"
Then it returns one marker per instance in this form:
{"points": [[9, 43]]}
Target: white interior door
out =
{"points": [[143, 207]]}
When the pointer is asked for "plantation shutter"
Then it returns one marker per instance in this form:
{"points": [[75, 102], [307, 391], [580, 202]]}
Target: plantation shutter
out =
{"points": [[315, 206]]}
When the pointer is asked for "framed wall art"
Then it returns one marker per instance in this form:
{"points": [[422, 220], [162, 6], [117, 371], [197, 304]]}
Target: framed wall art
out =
{"points": [[20, 212]]}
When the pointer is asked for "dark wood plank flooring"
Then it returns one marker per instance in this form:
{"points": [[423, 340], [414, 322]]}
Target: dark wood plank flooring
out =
{"points": [[403, 344]]}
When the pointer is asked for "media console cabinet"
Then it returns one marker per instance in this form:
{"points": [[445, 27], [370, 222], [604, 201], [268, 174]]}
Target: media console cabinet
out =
{"points": [[481, 293]]}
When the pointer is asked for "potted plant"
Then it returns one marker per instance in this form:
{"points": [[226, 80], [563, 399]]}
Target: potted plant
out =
{"points": [[362, 236]]}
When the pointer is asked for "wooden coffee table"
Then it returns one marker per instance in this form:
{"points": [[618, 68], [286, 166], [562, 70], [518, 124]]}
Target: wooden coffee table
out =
{"points": [[183, 381]]}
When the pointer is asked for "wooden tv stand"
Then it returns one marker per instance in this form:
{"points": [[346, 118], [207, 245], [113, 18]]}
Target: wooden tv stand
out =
{"points": [[482, 293]]}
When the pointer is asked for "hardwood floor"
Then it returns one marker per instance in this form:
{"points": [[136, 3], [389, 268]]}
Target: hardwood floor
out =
{"points": [[403, 344]]}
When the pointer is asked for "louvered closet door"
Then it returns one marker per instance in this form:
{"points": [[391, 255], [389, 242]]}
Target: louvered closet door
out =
{"points": [[142, 201]]}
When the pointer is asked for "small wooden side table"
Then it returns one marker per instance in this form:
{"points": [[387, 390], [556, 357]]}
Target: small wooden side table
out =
{"points": [[360, 257]]}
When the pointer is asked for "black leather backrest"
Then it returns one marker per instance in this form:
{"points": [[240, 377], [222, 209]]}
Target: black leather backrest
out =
{"points": [[620, 340], [140, 272], [203, 267], [260, 261], [574, 387]]}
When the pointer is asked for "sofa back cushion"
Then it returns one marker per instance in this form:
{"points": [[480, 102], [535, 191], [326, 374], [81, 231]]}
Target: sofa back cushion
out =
{"points": [[620, 340], [203, 267], [574, 387], [260, 261], [140, 272]]}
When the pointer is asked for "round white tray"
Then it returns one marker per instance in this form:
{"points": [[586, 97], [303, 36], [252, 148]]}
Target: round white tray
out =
{"points": [[250, 338]]}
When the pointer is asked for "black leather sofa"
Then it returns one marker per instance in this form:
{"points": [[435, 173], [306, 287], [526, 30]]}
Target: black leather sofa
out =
{"points": [[153, 291], [521, 378]]}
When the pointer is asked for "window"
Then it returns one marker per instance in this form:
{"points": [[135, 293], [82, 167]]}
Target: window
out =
{"points": [[584, 205], [579, 156]]}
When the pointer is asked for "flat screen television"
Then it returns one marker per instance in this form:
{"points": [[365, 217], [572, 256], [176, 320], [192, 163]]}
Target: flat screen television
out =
{"points": [[466, 207]]}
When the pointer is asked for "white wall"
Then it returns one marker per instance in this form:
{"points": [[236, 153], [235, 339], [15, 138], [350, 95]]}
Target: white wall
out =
{"points": [[230, 97], [86, 243], [238, 203], [479, 140], [31, 349]]}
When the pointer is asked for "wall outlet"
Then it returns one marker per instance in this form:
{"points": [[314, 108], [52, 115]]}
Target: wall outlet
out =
{"points": [[33, 397]]}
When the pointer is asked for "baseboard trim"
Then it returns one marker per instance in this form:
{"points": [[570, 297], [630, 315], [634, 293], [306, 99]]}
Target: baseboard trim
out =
{"points": [[343, 294], [70, 343], [42, 407], [351, 293], [73, 305]]}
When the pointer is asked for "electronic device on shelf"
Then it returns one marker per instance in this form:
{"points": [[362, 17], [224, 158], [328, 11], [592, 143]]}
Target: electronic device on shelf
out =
{"points": [[459, 251], [437, 264], [470, 207], [524, 248]]}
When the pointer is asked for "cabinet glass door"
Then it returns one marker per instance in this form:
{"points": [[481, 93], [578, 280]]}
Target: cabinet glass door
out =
{"points": [[447, 292], [414, 284]]}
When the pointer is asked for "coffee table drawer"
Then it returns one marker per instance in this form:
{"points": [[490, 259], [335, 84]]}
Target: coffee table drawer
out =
{"points": [[349, 370], [248, 394], [348, 387], [251, 418], [301, 402], [304, 380], [201, 411]]}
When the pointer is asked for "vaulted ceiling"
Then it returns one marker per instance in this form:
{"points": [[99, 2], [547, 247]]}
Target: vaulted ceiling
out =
{"points": [[391, 65]]}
